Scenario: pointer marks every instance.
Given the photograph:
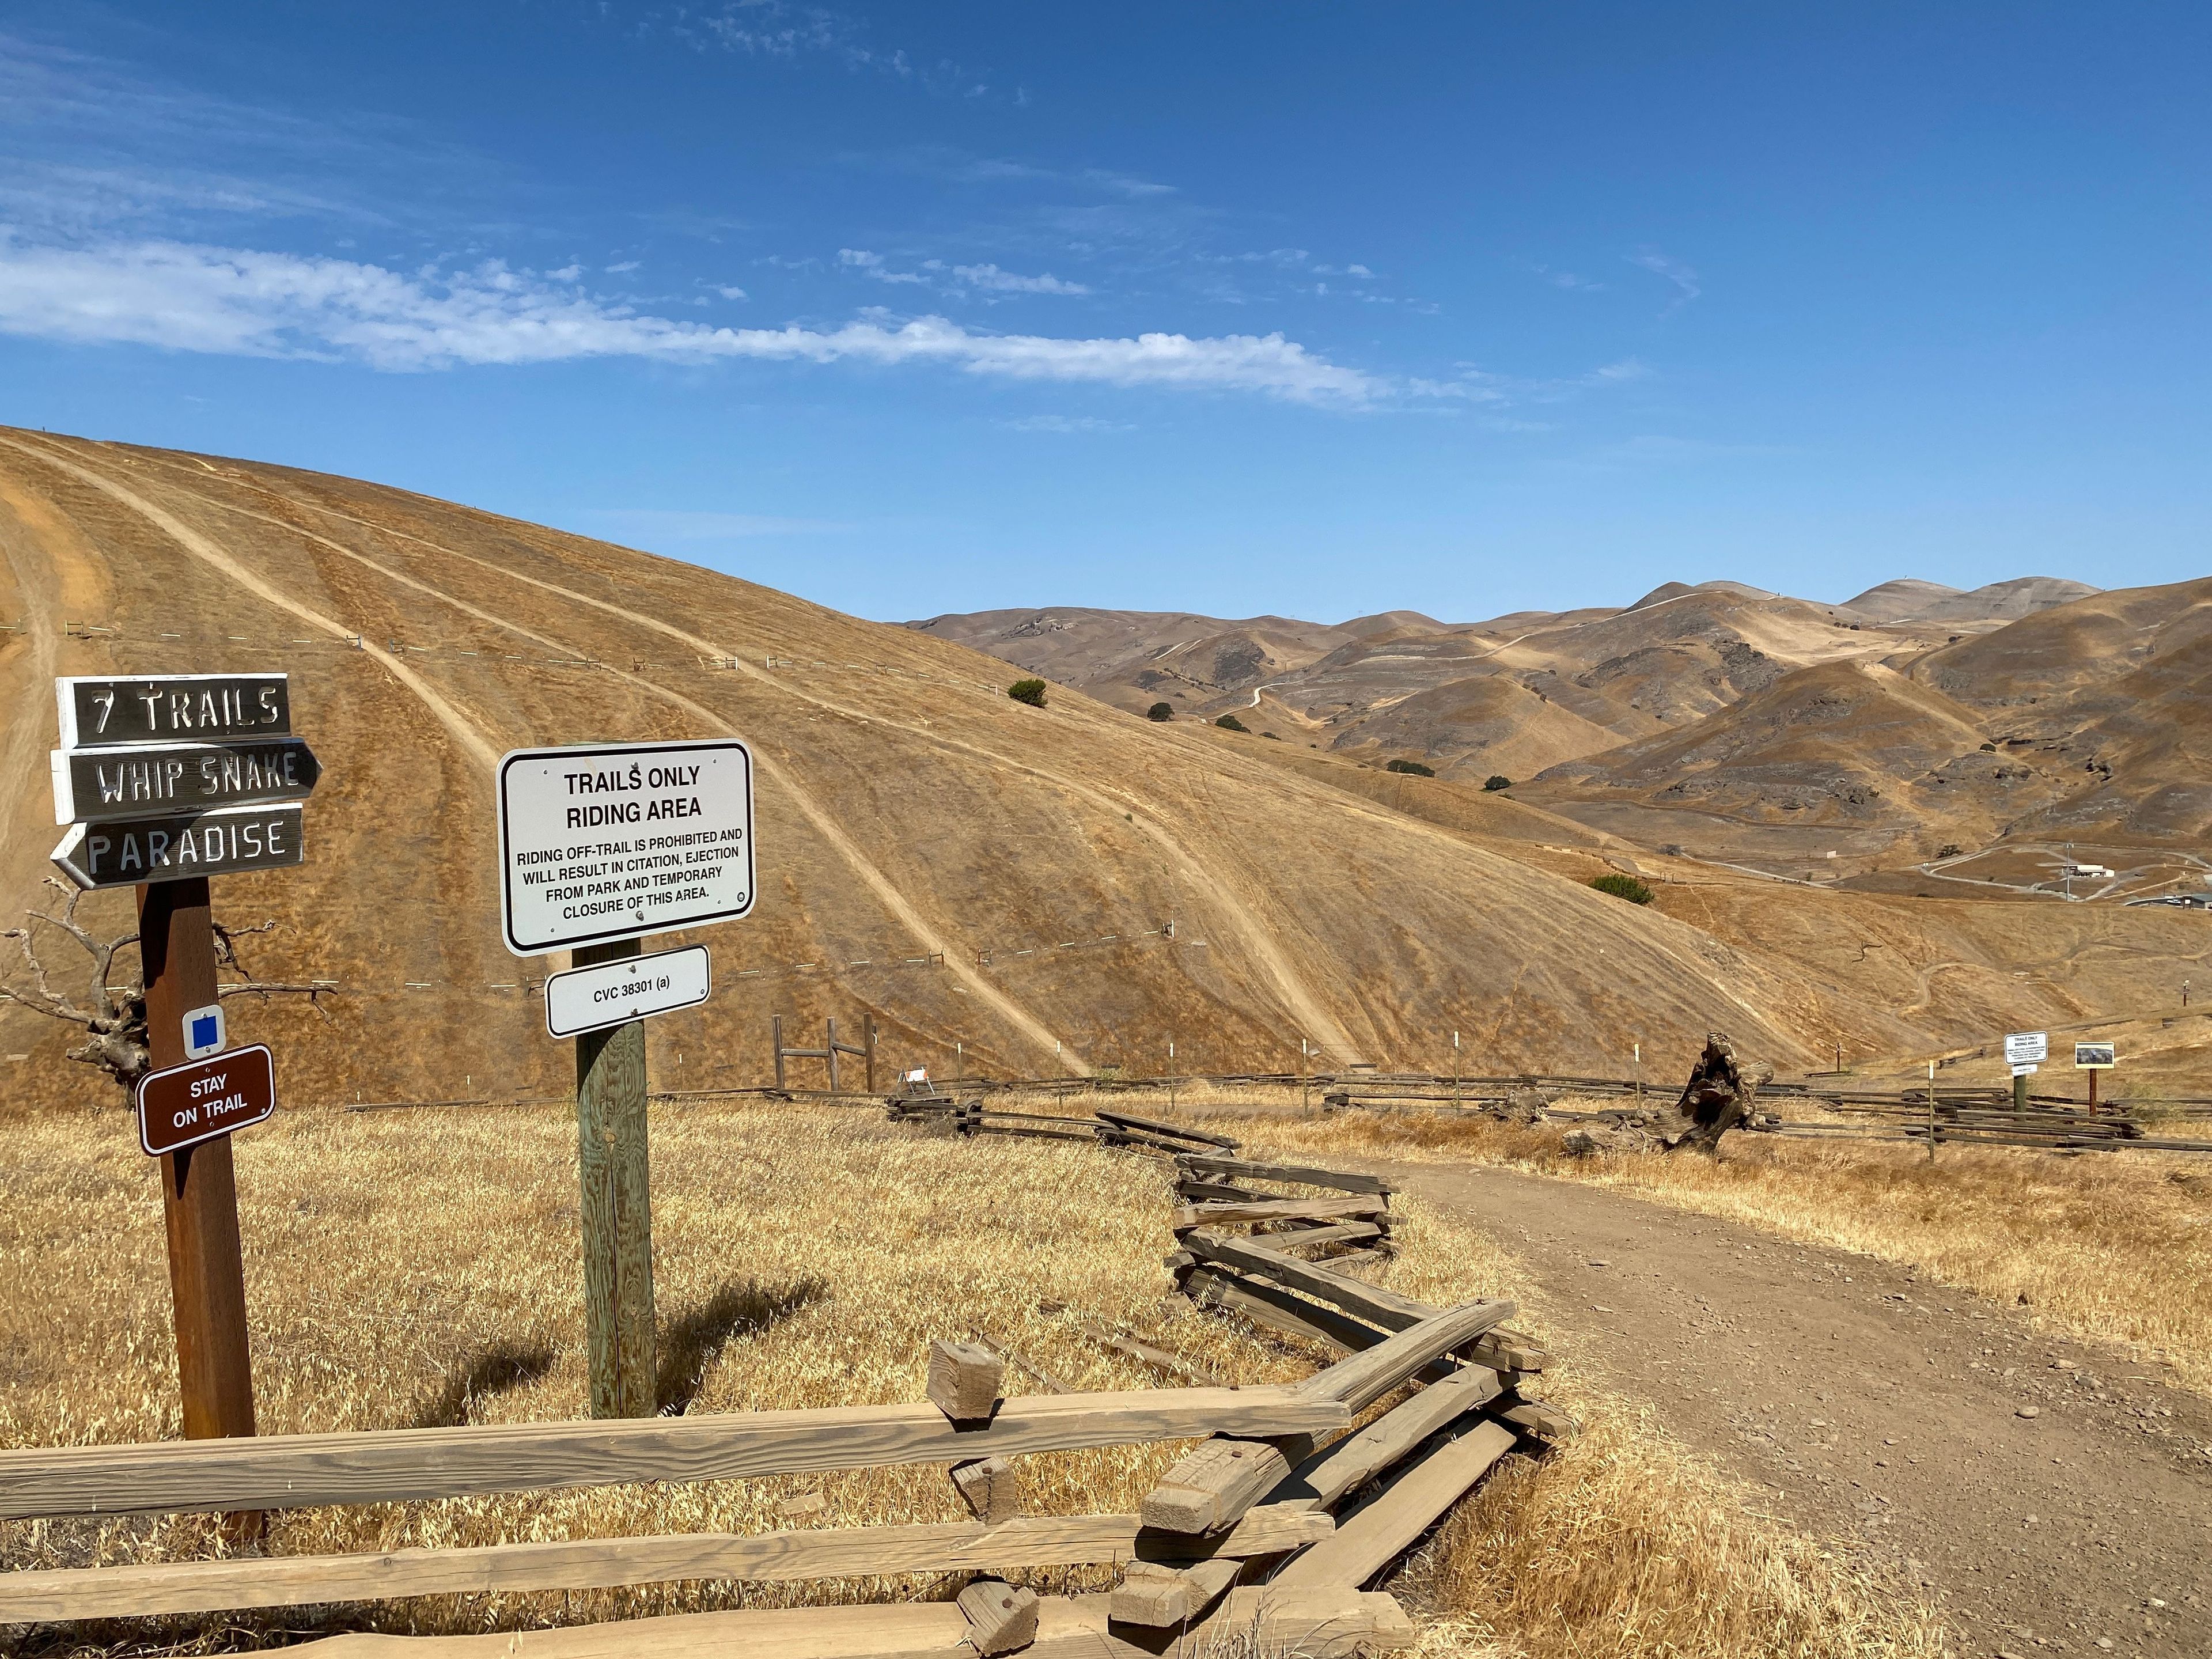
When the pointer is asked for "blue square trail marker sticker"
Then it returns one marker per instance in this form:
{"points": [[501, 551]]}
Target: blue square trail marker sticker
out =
{"points": [[203, 1032]]}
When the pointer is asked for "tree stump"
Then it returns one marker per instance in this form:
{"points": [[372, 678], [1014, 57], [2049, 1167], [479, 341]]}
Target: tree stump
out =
{"points": [[1717, 1098]]}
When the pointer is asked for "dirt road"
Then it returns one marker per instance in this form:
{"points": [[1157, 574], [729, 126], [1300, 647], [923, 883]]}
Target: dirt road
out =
{"points": [[2056, 1500]]}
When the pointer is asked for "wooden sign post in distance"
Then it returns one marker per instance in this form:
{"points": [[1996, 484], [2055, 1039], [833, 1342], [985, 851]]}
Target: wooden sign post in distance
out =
{"points": [[165, 781], [600, 844]]}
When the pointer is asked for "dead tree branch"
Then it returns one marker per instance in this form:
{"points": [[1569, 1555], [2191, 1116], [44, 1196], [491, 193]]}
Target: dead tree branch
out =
{"points": [[113, 1016]]}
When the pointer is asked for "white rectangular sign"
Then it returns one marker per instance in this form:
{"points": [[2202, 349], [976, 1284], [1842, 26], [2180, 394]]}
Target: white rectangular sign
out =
{"points": [[2094, 1057], [2027, 1047], [602, 841], [614, 993]]}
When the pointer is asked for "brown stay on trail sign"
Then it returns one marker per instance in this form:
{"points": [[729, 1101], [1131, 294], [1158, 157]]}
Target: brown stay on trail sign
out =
{"points": [[187, 1104]]}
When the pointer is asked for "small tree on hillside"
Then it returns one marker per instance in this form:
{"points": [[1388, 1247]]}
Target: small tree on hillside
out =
{"points": [[1497, 781], [1028, 691], [1626, 887], [1231, 723], [1410, 767], [1160, 711]]}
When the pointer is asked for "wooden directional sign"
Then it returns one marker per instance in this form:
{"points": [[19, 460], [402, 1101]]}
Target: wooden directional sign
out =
{"points": [[634, 988], [161, 779], [124, 853], [103, 710], [603, 841], [187, 1104]]}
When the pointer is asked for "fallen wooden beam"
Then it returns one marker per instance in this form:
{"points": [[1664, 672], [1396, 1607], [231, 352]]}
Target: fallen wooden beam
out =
{"points": [[1308, 1239], [1375, 1536], [1328, 1623], [1036, 1540], [1354, 1460], [1348, 1208], [1365, 1378], [1244, 1169], [1544, 1422], [1173, 1131], [1281, 1310], [1372, 1303], [1158, 1359], [1278, 1310], [392, 1465]]}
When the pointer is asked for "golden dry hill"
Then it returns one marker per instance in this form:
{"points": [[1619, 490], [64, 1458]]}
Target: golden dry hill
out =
{"points": [[966, 869]]}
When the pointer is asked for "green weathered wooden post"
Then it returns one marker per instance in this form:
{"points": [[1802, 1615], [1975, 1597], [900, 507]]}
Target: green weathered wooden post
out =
{"points": [[615, 1167], [600, 844]]}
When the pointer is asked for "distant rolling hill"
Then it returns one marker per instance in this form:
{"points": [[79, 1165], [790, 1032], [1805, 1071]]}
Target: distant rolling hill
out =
{"points": [[965, 869]]}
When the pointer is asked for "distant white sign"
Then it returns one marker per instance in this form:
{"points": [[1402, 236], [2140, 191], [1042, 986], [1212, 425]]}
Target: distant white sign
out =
{"points": [[2027, 1047], [601, 842], [615, 992], [2024, 1069]]}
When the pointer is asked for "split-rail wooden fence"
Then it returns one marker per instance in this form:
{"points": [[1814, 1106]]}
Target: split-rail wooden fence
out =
{"points": [[1265, 1535]]}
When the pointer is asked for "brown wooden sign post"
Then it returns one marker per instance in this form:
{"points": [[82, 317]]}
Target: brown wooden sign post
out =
{"points": [[199, 1193], [600, 844], [164, 781]]}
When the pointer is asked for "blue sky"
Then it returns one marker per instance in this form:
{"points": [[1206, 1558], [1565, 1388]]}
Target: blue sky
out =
{"points": [[1302, 309]]}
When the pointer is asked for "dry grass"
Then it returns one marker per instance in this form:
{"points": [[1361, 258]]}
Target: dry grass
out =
{"points": [[2113, 1247], [419, 1268]]}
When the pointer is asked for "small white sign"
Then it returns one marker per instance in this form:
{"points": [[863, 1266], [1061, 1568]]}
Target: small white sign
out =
{"points": [[615, 992], [2023, 1070], [2026, 1048], [600, 841], [204, 1033]]}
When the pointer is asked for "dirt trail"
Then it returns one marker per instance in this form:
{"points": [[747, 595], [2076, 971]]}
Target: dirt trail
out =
{"points": [[897, 902], [1874, 1405], [462, 729], [1253, 933]]}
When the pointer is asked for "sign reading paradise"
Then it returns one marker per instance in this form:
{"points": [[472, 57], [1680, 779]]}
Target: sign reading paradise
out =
{"points": [[605, 841]]}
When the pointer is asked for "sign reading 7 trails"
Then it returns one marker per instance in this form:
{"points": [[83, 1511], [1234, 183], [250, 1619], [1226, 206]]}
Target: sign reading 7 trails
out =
{"points": [[602, 841], [170, 708]]}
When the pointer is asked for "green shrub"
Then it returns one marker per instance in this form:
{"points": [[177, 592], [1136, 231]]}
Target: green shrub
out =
{"points": [[1949, 849], [1028, 691], [1622, 886], [1411, 768], [1160, 711], [1231, 723], [1497, 781]]}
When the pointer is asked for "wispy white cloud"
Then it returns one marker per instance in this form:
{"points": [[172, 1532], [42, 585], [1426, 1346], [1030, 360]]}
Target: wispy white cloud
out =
{"points": [[1685, 280], [988, 277], [623, 268], [664, 524], [1567, 279], [1007, 282], [191, 297], [859, 258], [1066, 424], [729, 292], [775, 29]]}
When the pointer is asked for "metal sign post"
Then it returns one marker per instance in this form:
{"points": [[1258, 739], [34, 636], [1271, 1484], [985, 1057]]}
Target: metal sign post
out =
{"points": [[600, 844], [163, 781]]}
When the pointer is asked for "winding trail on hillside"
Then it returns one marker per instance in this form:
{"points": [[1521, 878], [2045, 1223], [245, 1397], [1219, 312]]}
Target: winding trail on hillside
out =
{"points": [[881, 884], [462, 730], [1870, 1403], [1250, 932]]}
